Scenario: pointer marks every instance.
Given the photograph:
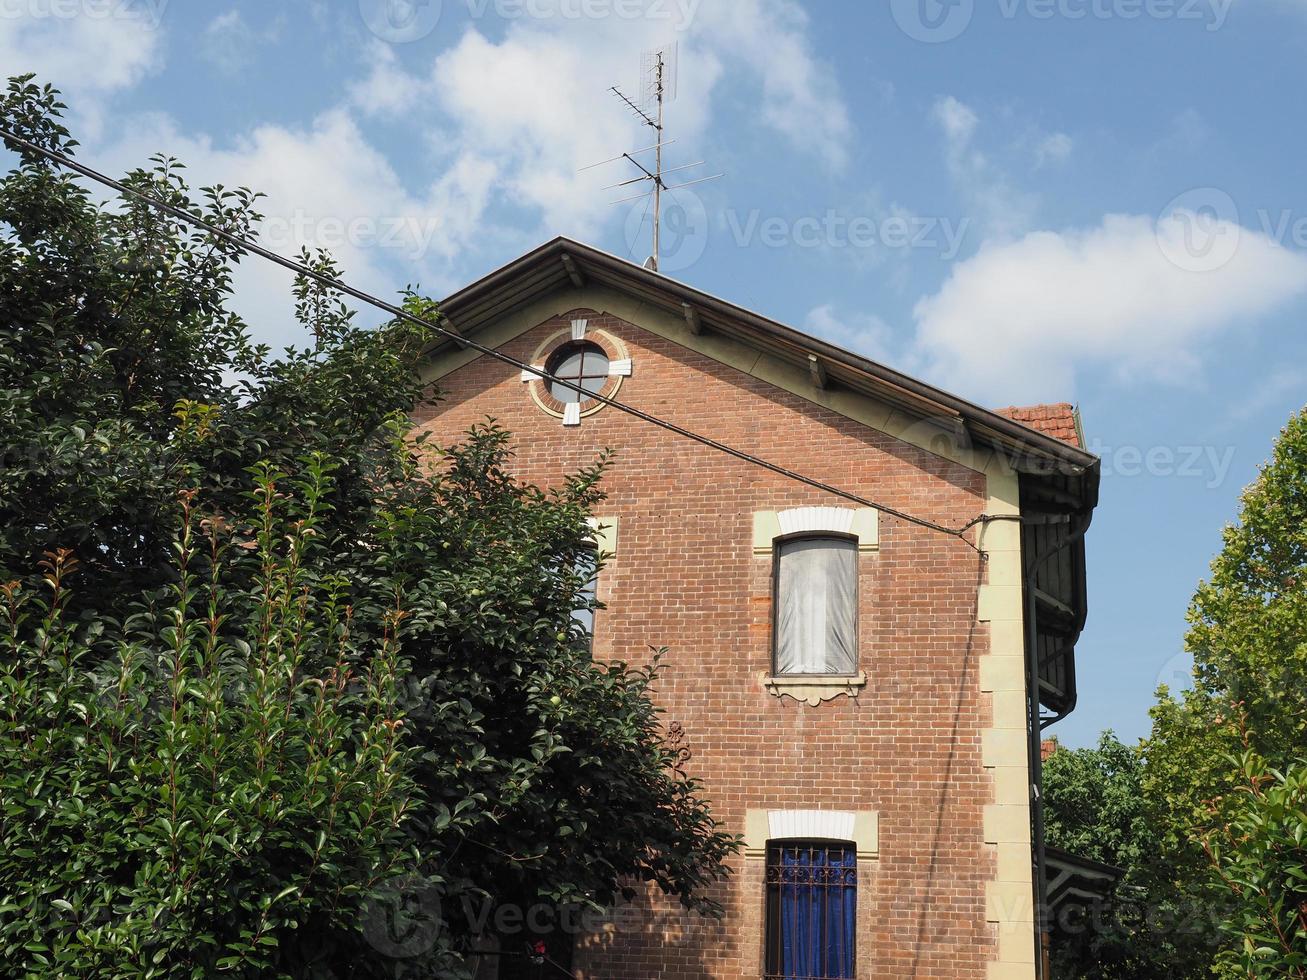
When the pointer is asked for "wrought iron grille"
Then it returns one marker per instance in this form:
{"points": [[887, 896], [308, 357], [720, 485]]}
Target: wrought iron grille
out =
{"points": [[812, 895]]}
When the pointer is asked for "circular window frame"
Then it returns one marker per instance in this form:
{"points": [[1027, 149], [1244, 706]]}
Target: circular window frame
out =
{"points": [[613, 349]]}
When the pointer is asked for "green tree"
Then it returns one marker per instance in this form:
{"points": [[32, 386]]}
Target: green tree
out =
{"points": [[216, 783], [1248, 637], [1094, 808], [1261, 859], [428, 581]]}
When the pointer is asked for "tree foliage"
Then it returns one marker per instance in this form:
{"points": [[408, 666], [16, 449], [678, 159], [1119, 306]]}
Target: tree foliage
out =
{"points": [[1248, 637], [276, 676], [1093, 803], [1261, 859], [214, 783], [1094, 808]]}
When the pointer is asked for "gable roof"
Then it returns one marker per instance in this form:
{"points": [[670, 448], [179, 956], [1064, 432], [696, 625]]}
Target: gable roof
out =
{"points": [[1058, 479], [564, 263], [1061, 421]]}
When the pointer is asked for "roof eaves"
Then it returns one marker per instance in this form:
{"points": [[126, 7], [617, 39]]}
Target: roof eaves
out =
{"points": [[924, 398]]}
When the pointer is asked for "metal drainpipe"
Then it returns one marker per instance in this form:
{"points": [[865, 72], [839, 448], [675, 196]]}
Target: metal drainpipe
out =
{"points": [[1036, 765], [1035, 739]]}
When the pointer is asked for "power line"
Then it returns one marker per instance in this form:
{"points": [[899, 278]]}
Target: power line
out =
{"points": [[341, 286]]}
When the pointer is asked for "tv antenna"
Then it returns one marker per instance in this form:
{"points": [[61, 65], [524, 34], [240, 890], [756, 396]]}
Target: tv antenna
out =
{"points": [[658, 68]]}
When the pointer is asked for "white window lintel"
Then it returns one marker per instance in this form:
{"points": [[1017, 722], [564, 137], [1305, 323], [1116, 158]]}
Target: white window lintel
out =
{"points": [[860, 827], [862, 523]]}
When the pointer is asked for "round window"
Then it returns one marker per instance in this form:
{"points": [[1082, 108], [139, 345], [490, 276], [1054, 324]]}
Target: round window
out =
{"points": [[584, 364]]}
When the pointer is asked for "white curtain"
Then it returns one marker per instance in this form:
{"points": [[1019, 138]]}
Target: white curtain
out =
{"points": [[817, 607]]}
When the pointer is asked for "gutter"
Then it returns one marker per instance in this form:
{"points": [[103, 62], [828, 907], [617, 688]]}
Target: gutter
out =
{"points": [[1034, 734], [989, 426]]}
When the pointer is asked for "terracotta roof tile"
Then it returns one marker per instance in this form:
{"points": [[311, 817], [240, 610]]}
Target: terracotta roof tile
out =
{"points": [[1060, 421]]}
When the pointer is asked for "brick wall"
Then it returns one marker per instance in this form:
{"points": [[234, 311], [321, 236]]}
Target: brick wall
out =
{"points": [[685, 577]]}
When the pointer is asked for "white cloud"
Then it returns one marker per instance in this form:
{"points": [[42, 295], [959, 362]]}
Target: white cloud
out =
{"points": [[861, 333], [801, 98], [229, 43], [386, 90], [326, 186], [542, 132], [505, 120], [536, 99], [957, 120], [1021, 320], [1053, 148], [1281, 389], [999, 208], [87, 56]]}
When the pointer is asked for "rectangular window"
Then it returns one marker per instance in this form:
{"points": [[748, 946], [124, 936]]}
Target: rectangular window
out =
{"points": [[816, 629], [812, 901]]}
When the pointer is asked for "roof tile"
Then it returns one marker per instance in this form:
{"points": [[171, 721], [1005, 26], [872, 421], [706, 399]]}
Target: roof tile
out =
{"points": [[1061, 421]]}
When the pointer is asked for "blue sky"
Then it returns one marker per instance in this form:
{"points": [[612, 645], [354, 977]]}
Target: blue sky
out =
{"points": [[1098, 201]]}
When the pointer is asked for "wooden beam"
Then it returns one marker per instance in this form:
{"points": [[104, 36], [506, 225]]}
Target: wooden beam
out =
{"points": [[573, 272], [818, 371], [1054, 605], [448, 324], [692, 319]]}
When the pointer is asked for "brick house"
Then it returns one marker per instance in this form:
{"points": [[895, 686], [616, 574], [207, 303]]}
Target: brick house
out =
{"points": [[854, 687]]}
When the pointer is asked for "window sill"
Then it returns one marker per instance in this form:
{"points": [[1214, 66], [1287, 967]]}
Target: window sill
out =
{"points": [[814, 689]]}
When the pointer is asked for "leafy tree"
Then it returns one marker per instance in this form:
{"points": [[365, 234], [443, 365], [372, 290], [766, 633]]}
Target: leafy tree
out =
{"points": [[1261, 858], [216, 783], [1248, 636], [257, 543], [1094, 808]]}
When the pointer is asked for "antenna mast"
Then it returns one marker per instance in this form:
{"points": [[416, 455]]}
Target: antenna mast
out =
{"points": [[659, 69]]}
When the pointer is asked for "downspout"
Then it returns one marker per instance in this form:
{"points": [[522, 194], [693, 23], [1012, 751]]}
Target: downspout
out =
{"points": [[1034, 750], [1034, 734]]}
